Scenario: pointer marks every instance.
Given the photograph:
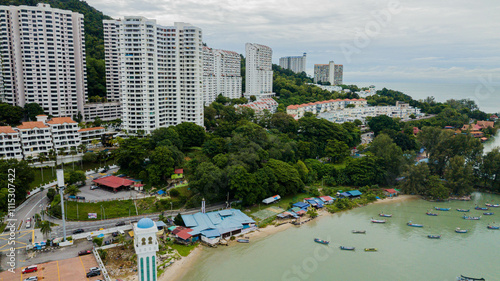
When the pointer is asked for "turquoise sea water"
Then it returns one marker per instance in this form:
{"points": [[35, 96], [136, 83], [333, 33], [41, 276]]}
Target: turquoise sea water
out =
{"points": [[404, 253]]}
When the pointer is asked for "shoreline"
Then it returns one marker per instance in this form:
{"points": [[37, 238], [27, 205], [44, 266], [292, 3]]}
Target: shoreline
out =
{"points": [[180, 267]]}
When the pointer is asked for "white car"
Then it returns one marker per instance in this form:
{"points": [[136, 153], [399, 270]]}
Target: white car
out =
{"points": [[94, 269], [32, 278]]}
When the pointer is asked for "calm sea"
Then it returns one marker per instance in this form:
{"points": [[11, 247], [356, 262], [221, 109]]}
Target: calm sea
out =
{"points": [[404, 253], [485, 93]]}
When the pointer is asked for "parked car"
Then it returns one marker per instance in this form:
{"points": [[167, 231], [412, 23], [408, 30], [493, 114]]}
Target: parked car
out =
{"points": [[120, 223], [92, 187], [32, 278], [93, 273], [31, 268], [28, 222], [78, 231], [83, 253], [114, 234]]}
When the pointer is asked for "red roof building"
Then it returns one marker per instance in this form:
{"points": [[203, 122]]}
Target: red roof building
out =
{"points": [[114, 182], [179, 171]]}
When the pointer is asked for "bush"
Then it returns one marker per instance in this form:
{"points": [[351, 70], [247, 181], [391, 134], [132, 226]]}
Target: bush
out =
{"points": [[103, 254], [69, 238], [174, 192], [232, 238], [98, 241]]}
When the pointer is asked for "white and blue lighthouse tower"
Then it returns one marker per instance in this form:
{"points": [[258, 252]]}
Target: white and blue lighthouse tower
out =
{"points": [[146, 246]]}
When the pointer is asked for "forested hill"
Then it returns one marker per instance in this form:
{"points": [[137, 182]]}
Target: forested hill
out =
{"points": [[94, 38]]}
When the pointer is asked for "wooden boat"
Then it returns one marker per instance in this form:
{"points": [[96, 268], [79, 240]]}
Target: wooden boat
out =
{"points": [[379, 221], [442, 209], [359, 231], [471, 218], [493, 227], [243, 240], [414, 224], [458, 230], [481, 208], [489, 214], [434, 236], [385, 215], [463, 210], [370, 249], [347, 248], [321, 241], [431, 214], [465, 278], [493, 205]]}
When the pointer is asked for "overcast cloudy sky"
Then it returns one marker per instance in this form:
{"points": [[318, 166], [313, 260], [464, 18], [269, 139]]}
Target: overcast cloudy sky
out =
{"points": [[375, 40]]}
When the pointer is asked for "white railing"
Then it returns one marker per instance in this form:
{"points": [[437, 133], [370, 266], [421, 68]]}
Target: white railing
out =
{"points": [[104, 271]]}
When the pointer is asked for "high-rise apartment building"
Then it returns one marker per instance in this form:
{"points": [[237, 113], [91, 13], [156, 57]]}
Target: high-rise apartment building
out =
{"points": [[330, 72], [159, 71], [296, 64], [43, 56], [258, 71], [221, 74]]}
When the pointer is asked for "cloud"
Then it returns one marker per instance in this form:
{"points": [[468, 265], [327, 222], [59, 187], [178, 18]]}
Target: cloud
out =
{"points": [[458, 38]]}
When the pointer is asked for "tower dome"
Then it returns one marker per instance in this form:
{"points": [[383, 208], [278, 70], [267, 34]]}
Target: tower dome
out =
{"points": [[145, 223]]}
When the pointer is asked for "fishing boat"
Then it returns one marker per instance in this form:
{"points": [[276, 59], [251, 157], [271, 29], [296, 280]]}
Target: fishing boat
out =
{"points": [[243, 240], [370, 249], [385, 215], [431, 214], [359, 231], [493, 205], [463, 210], [471, 218], [465, 278], [458, 230], [434, 236], [321, 241], [442, 209], [414, 224], [379, 221], [347, 248], [481, 208], [493, 227], [489, 214]]}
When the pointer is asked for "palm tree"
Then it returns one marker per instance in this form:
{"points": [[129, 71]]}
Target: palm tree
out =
{"points": [[42, 157], [72, 190], [61, 152], [73, 153], [45, 228], [29, 159], [82, 148]]}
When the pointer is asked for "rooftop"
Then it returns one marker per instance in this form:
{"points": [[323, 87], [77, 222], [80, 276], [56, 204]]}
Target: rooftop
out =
{"points": [[32, 125], [61, 120], [91, 129], [7, 130]]}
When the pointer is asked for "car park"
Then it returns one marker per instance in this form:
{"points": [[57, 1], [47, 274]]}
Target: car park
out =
{"points": [[78, 231], [85, 252], [31, 268]]}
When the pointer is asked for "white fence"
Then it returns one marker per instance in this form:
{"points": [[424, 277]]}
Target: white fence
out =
{"points": [[104, 271]]}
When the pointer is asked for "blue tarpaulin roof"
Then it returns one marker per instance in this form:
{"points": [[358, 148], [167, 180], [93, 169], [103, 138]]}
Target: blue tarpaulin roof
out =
{"points": [[345, 194], [160, 224], [161, 192], [355, 193], [301, 205]]}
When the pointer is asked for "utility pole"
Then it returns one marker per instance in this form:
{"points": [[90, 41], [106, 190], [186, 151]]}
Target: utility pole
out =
{"points": [[60, 184]]}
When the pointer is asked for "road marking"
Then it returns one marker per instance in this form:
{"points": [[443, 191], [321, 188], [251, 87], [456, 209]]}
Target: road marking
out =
{"points": [[58, 275], [35, 206], [84, 270], [33, 236]]}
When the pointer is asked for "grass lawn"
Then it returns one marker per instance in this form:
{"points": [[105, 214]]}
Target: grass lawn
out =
{"points": [[112, 209], [183, 249]]}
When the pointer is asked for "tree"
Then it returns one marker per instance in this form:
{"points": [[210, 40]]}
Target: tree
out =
{"points": [[89, 157], [459, 176], [72, 190], [337, 151], [31, 110], [161, 165], [190, 134], [284, 123], [287, 177], [243, 185], [51, 193], [490, 169], [10, 115], [45, 228], [72, 177], [415, 179], [391, 154], [312, 213], [17, 174], [178, 220], [166, 137], [436, 188], [42, 157], [382, 122], [132, 154], [209, 181]]}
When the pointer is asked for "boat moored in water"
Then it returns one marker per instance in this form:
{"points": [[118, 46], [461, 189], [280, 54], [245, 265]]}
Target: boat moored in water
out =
{"points": [[347, 248], [431, 214], [434, 236], [471, 218], [359, 231], [243, 240], [465, 278], [321, 241], [458, 230], [379, 221], [442, 209], [493, 227], [414, 224], [493, 205], [489, 214], [370, 249], [481, 208], [463, 210], [385, 215]]}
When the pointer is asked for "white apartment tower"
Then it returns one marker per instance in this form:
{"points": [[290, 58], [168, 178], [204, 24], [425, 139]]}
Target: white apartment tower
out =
{"points": [[159, 71], [43, 55], [330, 72], [258, 71], [296, 64], [221, 74]]}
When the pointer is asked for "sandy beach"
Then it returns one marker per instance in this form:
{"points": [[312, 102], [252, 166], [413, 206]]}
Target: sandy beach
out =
{"points": [[180, 267]]}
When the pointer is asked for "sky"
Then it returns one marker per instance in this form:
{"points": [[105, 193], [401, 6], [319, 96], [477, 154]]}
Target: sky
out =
{"points": [[452, 41]]}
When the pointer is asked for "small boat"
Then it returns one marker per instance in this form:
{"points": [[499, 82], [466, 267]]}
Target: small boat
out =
{"points": [[385, 215], [347, 248], [489, 214], [359, 231], [370, 249], [431, 214], [458, 230], [471, 218], [493, 227], [321, 241], [442, 209], [434, 236], [243, 240], [465, 278], [463, 210], [493, 205], [414, 224], [379, 221], [481, 208]]}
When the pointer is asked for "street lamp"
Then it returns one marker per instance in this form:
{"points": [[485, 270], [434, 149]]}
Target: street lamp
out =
{"points": [[60, 184]]}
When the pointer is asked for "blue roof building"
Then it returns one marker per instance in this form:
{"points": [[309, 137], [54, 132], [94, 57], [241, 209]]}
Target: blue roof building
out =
{"points": [[223, 223], [354, 193]]}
